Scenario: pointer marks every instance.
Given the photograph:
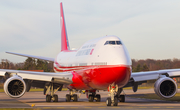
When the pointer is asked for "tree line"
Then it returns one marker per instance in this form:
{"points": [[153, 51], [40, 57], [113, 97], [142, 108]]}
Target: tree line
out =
{"points": [[137, 65], [151, 64], [28, 64]]}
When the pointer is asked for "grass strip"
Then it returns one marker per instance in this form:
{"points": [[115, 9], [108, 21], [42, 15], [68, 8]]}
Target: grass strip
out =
{"points": [[154, 96], [139, 87]]}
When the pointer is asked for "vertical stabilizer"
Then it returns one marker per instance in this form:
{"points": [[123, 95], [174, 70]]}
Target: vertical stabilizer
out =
{"points": [[64, 38]]}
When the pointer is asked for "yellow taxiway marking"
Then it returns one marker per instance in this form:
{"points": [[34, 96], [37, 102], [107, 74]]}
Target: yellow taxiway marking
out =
{"points": [[74, 107], [60, 107], [115, 107], [169, 107], [46, 107], [101, 107], [87, 107]]}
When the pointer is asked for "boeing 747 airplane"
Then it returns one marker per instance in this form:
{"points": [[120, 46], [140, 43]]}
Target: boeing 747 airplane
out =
{"points": [[100, 64]]}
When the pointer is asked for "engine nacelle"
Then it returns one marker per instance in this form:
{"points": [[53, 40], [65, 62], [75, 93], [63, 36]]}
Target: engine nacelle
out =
{"points": [[15, 87], [165, 87]]}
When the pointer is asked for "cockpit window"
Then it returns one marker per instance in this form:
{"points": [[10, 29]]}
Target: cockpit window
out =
{"points": [[107, 42], [118, 43], [113, 43]]}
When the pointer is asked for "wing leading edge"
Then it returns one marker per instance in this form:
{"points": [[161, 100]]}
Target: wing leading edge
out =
{"points": [[62, 78], [32, 56], [151, 75], [137, 78]]}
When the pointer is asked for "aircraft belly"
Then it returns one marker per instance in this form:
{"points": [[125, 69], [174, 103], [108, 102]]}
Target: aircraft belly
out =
{"points": [[100, 77]]}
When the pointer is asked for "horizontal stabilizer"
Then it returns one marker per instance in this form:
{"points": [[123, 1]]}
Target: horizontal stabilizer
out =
{"points": [[32, 56]]}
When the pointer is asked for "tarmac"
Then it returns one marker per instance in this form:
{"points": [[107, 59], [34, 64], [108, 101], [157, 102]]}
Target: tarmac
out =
{"points": [[37, 100]]}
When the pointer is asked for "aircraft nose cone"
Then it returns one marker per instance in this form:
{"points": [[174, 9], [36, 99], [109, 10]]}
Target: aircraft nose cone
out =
{"points": [[121, 56]]}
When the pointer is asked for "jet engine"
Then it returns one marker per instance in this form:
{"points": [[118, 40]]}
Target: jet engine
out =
{"points": [[15, 87], [165, 87]]}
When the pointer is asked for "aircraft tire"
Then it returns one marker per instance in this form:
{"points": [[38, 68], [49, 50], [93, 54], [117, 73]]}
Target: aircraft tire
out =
{"points": [[108, 101], [48, 98], [75, 98], [98, 98], [68, 97], [91, 98], [115, 101], [55, 98]]}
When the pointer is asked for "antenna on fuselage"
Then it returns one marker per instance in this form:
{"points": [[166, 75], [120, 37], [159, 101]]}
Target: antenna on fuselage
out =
{"points": [[64, 38]]}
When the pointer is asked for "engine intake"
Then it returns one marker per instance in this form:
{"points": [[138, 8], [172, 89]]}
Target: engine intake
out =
{"points": [[165, 87], [15, 87]]}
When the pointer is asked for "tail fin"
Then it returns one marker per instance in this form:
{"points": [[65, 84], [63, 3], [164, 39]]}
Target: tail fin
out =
{"points": [[64, 38]]}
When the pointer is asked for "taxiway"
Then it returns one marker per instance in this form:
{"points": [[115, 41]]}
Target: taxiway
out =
{"points": [[37, 100]]}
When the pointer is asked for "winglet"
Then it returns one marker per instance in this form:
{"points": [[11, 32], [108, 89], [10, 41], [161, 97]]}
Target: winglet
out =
{"points": [[64, 38]]}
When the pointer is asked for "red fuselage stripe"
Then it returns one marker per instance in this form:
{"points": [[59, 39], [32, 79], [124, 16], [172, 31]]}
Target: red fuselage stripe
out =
{"points": [[97, 76]]}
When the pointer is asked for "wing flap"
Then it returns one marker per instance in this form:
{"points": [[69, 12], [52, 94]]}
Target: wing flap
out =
{"points": [[174, 74]]}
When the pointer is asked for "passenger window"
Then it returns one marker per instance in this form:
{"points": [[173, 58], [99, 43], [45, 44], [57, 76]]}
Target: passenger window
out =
{"points": [[118, 42]]}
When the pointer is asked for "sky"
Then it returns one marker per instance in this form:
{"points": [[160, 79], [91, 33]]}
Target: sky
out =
{"points": [[148, 28]]}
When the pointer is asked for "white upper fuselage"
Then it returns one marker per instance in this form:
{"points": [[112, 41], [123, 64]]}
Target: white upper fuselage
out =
{"points": [[95, 52]]}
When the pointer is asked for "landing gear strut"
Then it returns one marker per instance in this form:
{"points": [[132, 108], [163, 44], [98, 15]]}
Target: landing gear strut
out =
{"points": [[121, 98], [114, 95], [54, 98], [71, 96], [50, 88], [93, 96]]}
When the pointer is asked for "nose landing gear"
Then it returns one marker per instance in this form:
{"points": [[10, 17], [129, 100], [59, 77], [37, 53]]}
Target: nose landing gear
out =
{"points": [[114, 95]]}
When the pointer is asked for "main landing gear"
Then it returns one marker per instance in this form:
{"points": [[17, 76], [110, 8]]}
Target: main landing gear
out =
{"points": [[71, 96], [93, 96], [52, 88], [114, 95]]}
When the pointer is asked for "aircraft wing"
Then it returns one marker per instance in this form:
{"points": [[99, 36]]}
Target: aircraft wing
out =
{"points": [[33, 56], [151, 75], [137, 78], [62, 78]]}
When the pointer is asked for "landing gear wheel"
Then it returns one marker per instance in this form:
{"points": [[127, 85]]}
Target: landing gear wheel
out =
{"points": [[75, 98], [68, 98], [122, 98], [115, 101], [108, 101], [55, 98], [48, 98], [98, 98], [91, 98]]}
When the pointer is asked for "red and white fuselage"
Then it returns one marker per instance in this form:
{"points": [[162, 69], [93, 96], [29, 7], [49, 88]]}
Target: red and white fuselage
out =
{"points": [[97, 64]]}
